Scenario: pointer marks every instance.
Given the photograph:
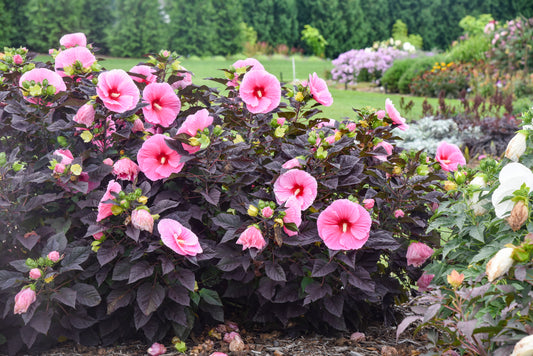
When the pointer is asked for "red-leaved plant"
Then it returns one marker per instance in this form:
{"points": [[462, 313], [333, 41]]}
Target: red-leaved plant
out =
{"points": [[167, 223]]}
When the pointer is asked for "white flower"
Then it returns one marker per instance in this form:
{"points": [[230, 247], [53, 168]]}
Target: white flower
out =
{"points": [[524, 347], [511, 177], [499, 264], [516, 147], [475, 203]]}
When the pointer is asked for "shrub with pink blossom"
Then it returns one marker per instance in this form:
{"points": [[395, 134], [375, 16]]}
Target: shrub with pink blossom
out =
{"points": [[152, 251], [364, 64]]}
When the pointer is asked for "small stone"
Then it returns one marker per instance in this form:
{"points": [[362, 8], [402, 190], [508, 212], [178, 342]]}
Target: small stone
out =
{"points": [[357, 337]]}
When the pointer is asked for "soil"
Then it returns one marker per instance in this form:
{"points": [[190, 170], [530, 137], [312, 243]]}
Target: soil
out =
{"points": [[379, 341]]}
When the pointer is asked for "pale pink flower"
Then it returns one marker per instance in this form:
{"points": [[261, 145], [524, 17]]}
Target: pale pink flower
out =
{"points": [[53, 256], [38, 75], [117, 90], [163, 104], [85, 115], [251, 237], [182, 83], [146, 71], [381, 114], [35, 273], [418, 253], [51, 51], [330, 139], [66, 156], [298, 184], [398, 213], [59, 168], [293, 214], [254, 63], [68, 58], [267, 212], [351, 126], [138, 126], [395, 115], [368, 203], [98, 235], [156, 349], [17, 59], [280, 121], [424, 281], [449, 156], [329, 123], [126, 169], [73, 39], [108, 162], [292, 163], [194, 123], [104, 209], [388, 148], [23, 300], [157, 160], [319, 90], [218, 354], [142, 220], [261, 91], [344, 225], [178, 238]]}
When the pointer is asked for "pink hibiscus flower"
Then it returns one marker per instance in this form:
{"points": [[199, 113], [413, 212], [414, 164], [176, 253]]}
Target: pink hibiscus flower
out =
{"points": [[261, 91], [146, 71], [292, 163], [23, 300], [293, 214], [298, 184], [104, 209], [344, 225], [194, 123], [117, 90], [38, 75], [418, 253], [449, 156], [251, 237], [178, 238], [157, 160], [395, 115], [254, 63], [163, 104], [388, 148], [66, 156], [319, 90], [85, 115], [182, 83], [424, 281], [73, 39], [68, 58], [126, 169]]}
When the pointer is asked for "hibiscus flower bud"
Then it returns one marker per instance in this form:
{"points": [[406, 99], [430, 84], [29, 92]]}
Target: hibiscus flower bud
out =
{"points": [[267, 212], [455, 279], [424, 281], [516, 147], [418, 253], [399, 213], [156, 349], [519, 215], [54, 256], [449, 186], [524, 347], [35, 273], [138, 126], [85, 115], [499, 264], [142, 220], [252, 210], [23, 300], [17, 59], [368, 203]]}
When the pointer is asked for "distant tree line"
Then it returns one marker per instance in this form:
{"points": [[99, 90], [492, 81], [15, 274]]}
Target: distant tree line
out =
{"points": [[215, 27]]}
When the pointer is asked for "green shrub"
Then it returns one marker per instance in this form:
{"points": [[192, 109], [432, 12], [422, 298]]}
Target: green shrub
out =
{"points": [[470, 49], [418, 66], [392, 76]]}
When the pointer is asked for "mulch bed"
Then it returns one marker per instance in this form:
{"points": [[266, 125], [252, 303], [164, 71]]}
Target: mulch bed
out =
{"points": [[380, 341]]}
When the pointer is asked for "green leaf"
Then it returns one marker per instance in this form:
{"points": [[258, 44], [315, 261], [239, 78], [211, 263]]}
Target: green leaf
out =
{"points": [[210, 296]]}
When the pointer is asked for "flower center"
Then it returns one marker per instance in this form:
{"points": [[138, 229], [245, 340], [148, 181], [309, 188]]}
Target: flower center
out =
{"points": [[297, 191], [446, 161], [156, 106], [163, 159], [177, 239], [259, 92], [344, 225], [114, 94]]}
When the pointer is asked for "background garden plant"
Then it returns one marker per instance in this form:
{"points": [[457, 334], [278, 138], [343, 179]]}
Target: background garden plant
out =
{"points": [[124, 223]]}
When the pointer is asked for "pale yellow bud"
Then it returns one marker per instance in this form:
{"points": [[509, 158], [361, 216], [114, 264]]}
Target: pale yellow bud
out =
{"points": [[516, 147], [499, 264]]}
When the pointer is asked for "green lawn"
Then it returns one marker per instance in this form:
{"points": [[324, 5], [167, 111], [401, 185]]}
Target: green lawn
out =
{"points": [[344, 100]]}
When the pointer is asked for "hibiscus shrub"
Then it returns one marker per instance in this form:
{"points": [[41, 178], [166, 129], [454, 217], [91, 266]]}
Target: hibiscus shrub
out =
{"points": [[127, 217]]}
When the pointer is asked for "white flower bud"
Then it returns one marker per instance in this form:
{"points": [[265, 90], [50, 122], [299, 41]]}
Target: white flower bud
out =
{"points": [[524, 347], [516, 147], [499, 264]]}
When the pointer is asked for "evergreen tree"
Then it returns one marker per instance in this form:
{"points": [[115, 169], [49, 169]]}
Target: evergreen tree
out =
{"points": [[97, 20], [48, 20], [139, 29], [286, 23], [376, 20], [226, 21], [357, 31], [260, 15], [6, 27], [192, 31]]}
